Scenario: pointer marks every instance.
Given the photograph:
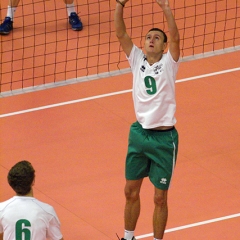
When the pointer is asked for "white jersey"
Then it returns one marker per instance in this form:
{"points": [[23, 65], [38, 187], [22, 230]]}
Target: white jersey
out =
{"points": [[153, 89], [26, 218]]}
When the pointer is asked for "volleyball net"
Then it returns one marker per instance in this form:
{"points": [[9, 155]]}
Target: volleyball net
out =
{"points": [[43, 51]]}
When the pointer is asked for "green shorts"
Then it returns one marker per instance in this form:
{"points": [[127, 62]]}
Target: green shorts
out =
{"points": [[151, 153]]}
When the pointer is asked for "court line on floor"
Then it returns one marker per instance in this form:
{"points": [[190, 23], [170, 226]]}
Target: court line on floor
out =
{"points": [[193, 225], [110, 94]]}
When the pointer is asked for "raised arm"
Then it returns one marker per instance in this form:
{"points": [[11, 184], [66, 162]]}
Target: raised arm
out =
{"points": [[174, 42], [120, 28]]}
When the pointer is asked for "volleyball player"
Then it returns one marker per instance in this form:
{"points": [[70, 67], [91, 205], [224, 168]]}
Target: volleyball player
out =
{"points": [[23, 216], [153, 139], [7, 26]]}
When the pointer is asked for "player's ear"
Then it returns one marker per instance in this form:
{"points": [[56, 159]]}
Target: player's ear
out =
{"points": [[165, 45], [33, 182]]}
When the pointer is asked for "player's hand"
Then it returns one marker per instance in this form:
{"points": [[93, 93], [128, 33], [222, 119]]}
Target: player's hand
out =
{"points": [[123, 1], [163, 3]]}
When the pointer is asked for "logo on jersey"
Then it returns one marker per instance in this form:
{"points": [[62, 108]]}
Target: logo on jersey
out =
{"points": [[158, 68], [142, 68]]}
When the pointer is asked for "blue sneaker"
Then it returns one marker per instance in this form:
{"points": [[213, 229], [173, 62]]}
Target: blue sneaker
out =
{"points": [[75, 22], [7, 26]]}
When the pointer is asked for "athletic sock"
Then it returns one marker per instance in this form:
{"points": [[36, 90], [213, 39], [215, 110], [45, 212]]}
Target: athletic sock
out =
{"points": [[11, 11], [70, 8], [128, 235]]}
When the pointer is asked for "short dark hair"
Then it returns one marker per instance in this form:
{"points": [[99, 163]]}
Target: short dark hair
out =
{"points": [[21, 176], [159, 30]]}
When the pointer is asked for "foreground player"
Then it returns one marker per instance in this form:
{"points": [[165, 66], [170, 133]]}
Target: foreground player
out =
{"points": [[153, 139], [7, 26], [23, 216]]}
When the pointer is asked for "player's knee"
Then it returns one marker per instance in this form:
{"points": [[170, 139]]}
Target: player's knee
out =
{"points": [[160, 199], [131, 194]]}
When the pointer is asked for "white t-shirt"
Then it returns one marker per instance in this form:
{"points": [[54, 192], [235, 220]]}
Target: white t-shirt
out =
{"points": [[153, 89], [26, 218]]}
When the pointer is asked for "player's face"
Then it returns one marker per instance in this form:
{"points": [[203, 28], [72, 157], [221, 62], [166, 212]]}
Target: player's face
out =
{"points": [[154, 42]]}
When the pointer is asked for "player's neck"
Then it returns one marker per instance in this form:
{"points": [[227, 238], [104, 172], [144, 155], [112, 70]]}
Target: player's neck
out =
{"points": [[30, 194], [153, 59]]}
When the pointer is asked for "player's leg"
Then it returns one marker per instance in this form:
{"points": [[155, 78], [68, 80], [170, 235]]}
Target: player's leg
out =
{"points": [[160, 214], [132, 206], [74, 19], [163, 148], [7, 26], [137, 167]]}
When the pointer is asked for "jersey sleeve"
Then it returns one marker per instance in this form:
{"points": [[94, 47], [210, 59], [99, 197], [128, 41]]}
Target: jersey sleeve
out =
{"points": [[53, 231], [136, 54], [171, 58], [172, 64]]}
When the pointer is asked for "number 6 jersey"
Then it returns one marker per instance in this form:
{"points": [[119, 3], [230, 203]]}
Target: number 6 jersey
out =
{"points": [[153, 89], [26, 218]]}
